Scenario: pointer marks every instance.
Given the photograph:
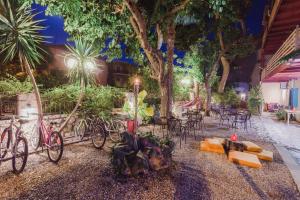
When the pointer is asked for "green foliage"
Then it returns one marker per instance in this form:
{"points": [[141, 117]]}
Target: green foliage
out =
{"points": [[96, 21], [200, 59], [144, 111], [181, 93], [19, 33], [255, 100], [149, 84], [97, 101], [281, 114], [218, 5], [100, 101], [51, 79], [229, 97], [11, 86]]}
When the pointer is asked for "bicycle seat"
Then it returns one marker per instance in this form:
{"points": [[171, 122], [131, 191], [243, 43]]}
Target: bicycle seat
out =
{"points": [[23, 121]]}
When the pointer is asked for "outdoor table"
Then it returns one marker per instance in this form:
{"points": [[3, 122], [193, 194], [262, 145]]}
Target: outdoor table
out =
{"points": [[289, 112]]}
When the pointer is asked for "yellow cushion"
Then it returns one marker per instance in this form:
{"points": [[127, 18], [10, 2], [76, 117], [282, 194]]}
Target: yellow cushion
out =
{"points": [[250, 146], [205, 146], [245, 159], [264, 155]]}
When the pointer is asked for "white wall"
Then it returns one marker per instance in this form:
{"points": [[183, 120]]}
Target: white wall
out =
{"points": [[273, 94]]}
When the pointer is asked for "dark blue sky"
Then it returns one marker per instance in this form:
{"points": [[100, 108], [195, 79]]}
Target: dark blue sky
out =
{"points": [[57, 36]]}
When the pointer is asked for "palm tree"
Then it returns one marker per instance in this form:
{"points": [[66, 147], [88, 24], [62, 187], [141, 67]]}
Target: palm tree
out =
{"points": [[82, 62], [19, 37]]}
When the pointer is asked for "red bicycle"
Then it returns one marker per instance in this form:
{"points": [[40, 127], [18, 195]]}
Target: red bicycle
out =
{"points": [[45, 136]]}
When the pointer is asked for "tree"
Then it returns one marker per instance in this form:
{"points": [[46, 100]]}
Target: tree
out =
{"points": [[19, 37], [232, 38], [82, 62], [151, 22], [204, 58]]}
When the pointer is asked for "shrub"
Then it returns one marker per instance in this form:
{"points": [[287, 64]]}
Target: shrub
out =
{"points": [[97, 101], [255, 100], [229, 97], [11, 86], [281, 114], [138, 155]]}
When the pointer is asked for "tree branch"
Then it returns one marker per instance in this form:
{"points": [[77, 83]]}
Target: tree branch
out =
{"points": [[159, 36], [176, 9]]}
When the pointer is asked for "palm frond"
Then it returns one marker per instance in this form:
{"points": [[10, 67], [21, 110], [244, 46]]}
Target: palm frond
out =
{"points": [[82, 51], [19, 33]]}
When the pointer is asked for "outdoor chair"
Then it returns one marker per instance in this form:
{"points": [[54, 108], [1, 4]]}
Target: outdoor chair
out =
{"points": [[224, 117], [161, 122], [240, 119], [173, 126]]}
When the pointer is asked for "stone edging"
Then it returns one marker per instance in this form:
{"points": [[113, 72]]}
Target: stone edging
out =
{"points": [[291, 164]]}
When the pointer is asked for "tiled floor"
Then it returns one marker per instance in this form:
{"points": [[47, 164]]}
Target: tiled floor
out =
{"points": [[279, 132]]}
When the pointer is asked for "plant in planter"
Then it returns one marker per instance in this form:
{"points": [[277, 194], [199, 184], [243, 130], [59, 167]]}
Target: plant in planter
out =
{"points": [[145, 112], [146, 152], [281, 114]]}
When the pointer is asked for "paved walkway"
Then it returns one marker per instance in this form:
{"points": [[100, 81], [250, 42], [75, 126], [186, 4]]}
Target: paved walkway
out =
{"points": [[279, 133]]}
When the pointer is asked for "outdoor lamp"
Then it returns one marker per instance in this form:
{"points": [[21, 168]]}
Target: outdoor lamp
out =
{"points": [[89, 65], [71, 62], [137, 81], [186, 81]]}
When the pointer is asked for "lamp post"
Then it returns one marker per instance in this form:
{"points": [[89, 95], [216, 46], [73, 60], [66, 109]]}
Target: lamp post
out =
{"points": [[136, 85]]}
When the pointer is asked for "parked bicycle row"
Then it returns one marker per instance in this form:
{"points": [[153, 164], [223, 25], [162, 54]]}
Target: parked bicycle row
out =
{"points": [[15, 142]]}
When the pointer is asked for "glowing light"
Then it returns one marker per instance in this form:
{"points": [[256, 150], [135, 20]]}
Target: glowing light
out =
{"points": [[137, 81], [89, 65], [243, 96], [186, 81], [71, 62]]}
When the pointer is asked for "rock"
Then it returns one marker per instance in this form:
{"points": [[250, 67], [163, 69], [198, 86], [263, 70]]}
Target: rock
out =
{"points": [[245, 159]]}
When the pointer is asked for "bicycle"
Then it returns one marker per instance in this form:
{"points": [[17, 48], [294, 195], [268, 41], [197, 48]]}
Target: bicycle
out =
{"points": [[46, 136], [89, 127], [113, 128], [16, 144]]}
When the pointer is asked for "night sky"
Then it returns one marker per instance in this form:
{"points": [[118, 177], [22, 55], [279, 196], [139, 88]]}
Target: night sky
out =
{"points": [[57, 36]]}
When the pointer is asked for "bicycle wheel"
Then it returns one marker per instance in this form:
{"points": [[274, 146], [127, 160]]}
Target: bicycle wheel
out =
{"points": [[20, 155], [35, 137], [98, 137], [117, 127], [56, 147], [5, 141]]}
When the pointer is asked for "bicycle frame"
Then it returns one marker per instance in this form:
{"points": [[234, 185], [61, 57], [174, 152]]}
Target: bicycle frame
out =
{"points": [[45, 132]]}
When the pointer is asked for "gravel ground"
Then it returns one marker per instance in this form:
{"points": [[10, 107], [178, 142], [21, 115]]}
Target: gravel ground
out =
{"points": [[85, 173]]}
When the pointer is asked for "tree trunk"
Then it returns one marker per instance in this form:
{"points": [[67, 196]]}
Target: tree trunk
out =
{"points": [[27, 67], [170, 54], [196, 91], [79, 101], [226, 70], [208, 98], [164, 99], [225, 64]]}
